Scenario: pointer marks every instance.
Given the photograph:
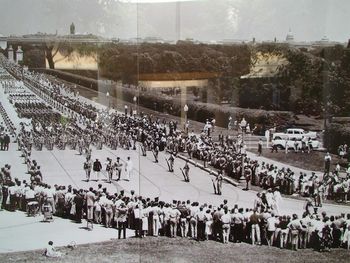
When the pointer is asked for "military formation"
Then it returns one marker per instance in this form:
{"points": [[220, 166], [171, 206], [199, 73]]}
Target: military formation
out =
{"points": [[60, 120]]}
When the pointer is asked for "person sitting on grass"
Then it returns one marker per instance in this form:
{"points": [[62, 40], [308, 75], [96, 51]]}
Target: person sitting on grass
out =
{"points": [[51, 251]]}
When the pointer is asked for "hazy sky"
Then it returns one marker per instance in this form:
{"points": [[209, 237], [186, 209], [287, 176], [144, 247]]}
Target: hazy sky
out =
{"points": [[203, 20]]}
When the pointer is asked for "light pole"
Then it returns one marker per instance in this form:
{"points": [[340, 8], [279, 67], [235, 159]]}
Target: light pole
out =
{"points": [[135, 100], [185, 111], [243, 125], [107, 95]]}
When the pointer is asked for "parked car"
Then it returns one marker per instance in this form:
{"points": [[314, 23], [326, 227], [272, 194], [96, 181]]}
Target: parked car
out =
{"points": [[296, 133], [284, 141]]}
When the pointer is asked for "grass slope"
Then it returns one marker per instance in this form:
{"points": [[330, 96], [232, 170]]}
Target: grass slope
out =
{"points": [[178, 250]]}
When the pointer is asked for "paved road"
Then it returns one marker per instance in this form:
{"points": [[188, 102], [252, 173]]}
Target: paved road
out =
{"points": [[149, 179]]}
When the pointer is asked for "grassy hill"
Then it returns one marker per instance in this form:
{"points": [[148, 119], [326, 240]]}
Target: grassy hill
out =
{"points": [[162, 249]]}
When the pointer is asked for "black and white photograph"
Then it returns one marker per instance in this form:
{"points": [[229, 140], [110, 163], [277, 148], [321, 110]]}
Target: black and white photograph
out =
{"points": [[175, 131]]}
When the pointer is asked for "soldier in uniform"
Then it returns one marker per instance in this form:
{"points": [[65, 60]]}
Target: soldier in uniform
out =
{"points": [[81, 144], [41, 142], [171, 162], [155, 153], [118, 167], [64, 141], [144, 148], [88, 153], [248, 176], [219, 179], [75, 142], [51, 141], [87, 169], [109, 169], [186, 171]]}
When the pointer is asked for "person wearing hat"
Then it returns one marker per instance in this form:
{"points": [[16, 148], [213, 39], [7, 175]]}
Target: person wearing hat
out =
{"points": [[97, 166]]}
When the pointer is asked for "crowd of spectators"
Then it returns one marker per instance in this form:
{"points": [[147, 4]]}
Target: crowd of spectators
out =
{"points": [[260, 224]]}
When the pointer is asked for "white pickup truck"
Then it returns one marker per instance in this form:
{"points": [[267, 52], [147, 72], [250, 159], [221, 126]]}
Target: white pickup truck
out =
{"points": [[295, 133]]}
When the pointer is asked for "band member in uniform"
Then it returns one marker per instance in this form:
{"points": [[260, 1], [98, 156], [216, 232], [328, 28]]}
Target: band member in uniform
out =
{"points": [[75, 141], [64, 141], [88, 153], [170, 162], [109, 169], [248, 176], [214, 182], [185, 171], [143, 148], [87, 169], [155, 153], [51, 143], [81, 144], [219, 179], [118, 167], [41, 142]]}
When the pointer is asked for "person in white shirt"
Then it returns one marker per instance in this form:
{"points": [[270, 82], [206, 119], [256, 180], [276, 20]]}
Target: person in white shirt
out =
{"points": [[128, 169], [108, 207], [271, 228], [137, 217], [193, 221], [156, 211], [29, 195], [98, 211], [277, 201], [49, 193], [208, 224], [174, 215], [51, 251], [90, 199], [11, 199], [226, 222]]}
